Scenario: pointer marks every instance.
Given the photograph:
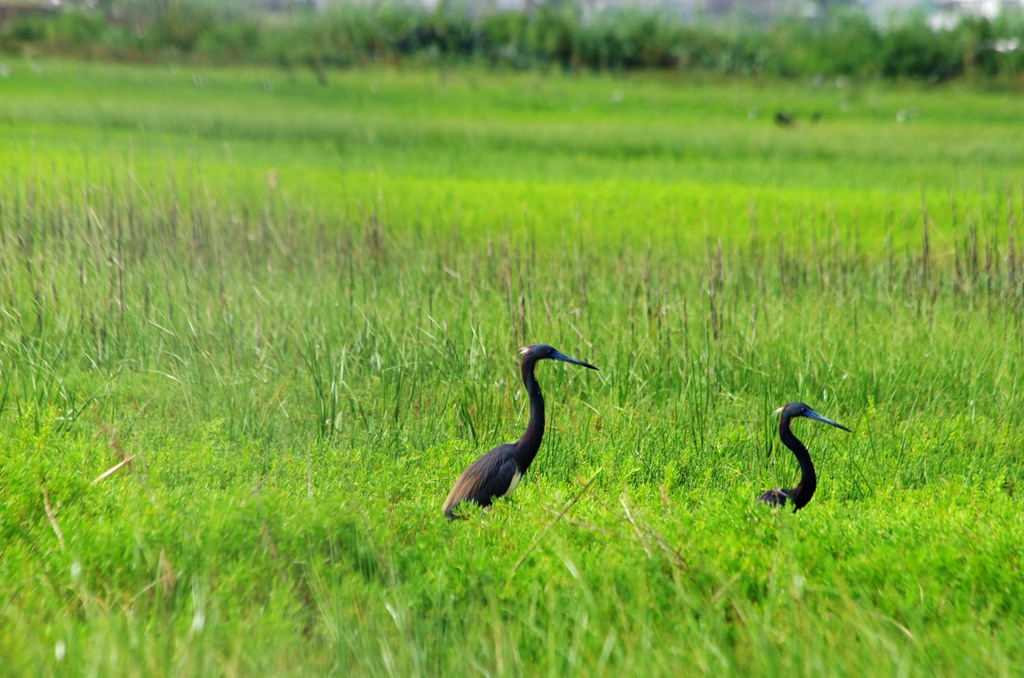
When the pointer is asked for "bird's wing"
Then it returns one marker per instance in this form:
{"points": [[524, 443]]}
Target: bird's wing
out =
{"points": [[486, 479], [776, 497]]}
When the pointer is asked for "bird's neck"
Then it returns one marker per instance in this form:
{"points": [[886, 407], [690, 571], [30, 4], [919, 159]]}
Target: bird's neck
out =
{"points": [[804, 490], [526, 448]]}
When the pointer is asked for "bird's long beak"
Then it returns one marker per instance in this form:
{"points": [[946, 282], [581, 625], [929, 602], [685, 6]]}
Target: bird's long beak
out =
{"points": [[811, 414], [567, 359]]}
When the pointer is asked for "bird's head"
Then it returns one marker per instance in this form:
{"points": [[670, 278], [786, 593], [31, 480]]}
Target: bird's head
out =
{"points": [[793, 410], [544, 352]]}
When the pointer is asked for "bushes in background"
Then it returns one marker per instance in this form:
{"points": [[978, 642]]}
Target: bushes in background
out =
{"points": [[553, 33]]}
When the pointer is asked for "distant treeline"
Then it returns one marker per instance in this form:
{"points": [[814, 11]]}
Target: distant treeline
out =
{"points": [[843, 41]]}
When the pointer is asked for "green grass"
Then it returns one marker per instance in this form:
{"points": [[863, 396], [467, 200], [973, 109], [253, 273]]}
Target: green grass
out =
{"points": [[298, 308]]}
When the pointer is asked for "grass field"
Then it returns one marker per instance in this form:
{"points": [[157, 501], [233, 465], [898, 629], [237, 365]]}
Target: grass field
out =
{"points": [[296, 309]]}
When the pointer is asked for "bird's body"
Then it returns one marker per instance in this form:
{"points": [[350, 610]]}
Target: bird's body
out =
{"points": [[776, 497], [497, 473], [802, 493]]}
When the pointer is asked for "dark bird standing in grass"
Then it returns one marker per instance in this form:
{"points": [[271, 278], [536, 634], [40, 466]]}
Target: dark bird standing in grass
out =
{"points": [[802, 493], [498, 472]]}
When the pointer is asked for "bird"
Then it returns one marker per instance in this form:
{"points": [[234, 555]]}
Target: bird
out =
{"points": [[497, 473], [802, 493], [784, 119]]}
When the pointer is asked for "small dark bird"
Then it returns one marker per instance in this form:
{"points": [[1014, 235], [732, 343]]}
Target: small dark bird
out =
{"points": [[498, 472], [802, 493], [783, 119]]}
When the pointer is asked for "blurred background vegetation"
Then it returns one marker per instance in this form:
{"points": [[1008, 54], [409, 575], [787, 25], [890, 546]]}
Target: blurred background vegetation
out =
{"points": [[805, 39]]}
